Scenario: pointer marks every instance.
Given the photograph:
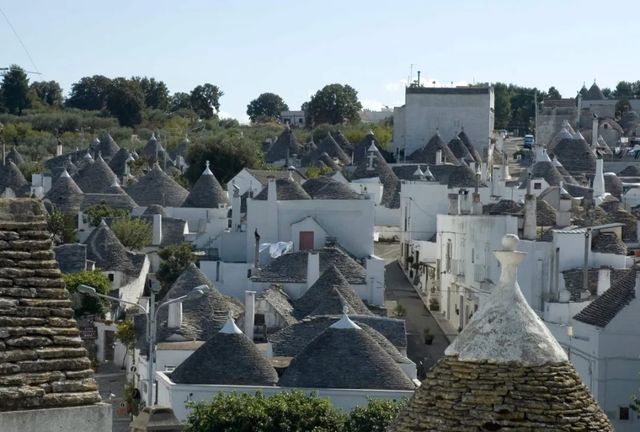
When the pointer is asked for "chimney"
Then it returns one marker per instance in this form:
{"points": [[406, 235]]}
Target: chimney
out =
{"points": [[604, 280], [530, 222], [439, 157], [157, 229], [598, 180], [594, 132], [236, 204], [453, 204], [59, 148], [313, 268], [272, 194], [175, 315], [249, 313], [464, 206]]}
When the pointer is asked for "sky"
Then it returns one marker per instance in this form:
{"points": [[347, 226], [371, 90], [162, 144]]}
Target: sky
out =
{"points": [[294, 48]]}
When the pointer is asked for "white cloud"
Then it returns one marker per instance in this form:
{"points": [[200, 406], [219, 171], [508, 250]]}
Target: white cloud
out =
{"points": [[395, 86], [372, 104]]}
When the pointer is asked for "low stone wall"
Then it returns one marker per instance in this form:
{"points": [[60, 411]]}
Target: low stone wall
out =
{"points": [[94, 418]]}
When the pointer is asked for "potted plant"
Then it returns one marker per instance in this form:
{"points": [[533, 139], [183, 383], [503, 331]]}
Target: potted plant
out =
{"points": [[428, 336]]}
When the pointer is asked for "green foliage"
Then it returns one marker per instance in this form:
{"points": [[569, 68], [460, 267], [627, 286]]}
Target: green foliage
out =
{"points": [[283, 412], [228, 151], [90, 93], [313, 172], [375, 417], [266, 106], [622, 106], [205, 99], [180, 101], [47, 92], [99, 211], [62, 226], [607, 92], [156, 93], [334, 104], [84, 304], [29, 168], [553, 93], [125, 100], [626, 89], [15, 90], [174, 260], [133, 233], [126, 333]]}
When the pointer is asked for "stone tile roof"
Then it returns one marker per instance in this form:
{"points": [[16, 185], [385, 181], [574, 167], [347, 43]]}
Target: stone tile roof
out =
{"points": [[629, 120], [155, 209], [632, 170], [201, 318], [157, 187], [172, 229], [107, 147], [407, 172], [14, 156], [382, 170], [343, 141], [286, 190], [285, 145], [594, 93], [226, 358], [96, 178], [326, 188], [461, 396], [206, 192], [620, 215], [605, 308], [279, 301], [65, 194], [427, 154], [117, 201], [43, 361], [573, 280], [613, 184], [608, 243], [361, 149], [292, 267], [503, 207], [461, 176], [263, 175], [548, 171], [545, 213], [104, 248], [153, 149], [328, 296], [181, 148], [329, 146], [11, 177], [459, 150], [575, 155], [467, 142], [119, 162], [291, 340], [71, 257], [344, 358]]}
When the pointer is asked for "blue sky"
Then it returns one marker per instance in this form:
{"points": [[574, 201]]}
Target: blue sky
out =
{"points": [[293, 48]]}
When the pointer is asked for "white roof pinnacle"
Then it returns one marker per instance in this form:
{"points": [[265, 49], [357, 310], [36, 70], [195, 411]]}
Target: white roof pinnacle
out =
{"points": [[207, 171], [345, 322], [505, 329], [372, 148], [65, 173], [230, 326]]}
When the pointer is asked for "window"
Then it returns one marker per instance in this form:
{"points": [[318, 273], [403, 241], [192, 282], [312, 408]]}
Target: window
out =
{"points": [[537, 185], [110, 276], [624, 413], [449, 255], [259, 320], [306, 240]]}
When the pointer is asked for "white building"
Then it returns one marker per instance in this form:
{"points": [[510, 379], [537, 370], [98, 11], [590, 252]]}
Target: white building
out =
{"points": [[428, 109]]}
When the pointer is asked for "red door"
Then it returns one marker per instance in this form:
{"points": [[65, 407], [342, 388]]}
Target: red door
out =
{"points": [[306, 240]]}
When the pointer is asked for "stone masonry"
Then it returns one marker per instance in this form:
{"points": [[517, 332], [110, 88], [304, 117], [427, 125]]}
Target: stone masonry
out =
{"points": [[42, 361]]}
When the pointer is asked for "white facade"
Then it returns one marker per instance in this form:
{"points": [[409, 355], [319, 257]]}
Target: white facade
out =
{"points": [[447, 110]]}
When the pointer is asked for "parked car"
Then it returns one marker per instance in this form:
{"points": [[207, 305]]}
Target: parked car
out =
{"points": [[528, 141]]}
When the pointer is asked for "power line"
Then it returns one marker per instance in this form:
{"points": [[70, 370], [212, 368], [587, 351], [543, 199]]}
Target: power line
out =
{"points": [[19, 40]]}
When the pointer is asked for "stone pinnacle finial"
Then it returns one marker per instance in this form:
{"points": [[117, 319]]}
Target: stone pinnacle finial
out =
{"points": [[510, 242]]}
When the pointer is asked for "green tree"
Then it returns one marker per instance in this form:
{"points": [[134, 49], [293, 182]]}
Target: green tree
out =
{"points": [[607, 92], [90, 93], [180, 101], [174, 260], [156, 93], [375, 417], [285, 411], [84, 304], [553, 93], [622, 105], [227, 151], [126, 334], [133, 233], [97, 212], [266, 106], [334, 104], [205, 100], [62, 226], [47, 92], [623, 89], [15, 90], [502, 105], [125, 100]]}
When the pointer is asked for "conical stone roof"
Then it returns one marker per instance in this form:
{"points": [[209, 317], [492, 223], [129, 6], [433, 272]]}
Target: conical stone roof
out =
{"points": [[286, 190], [157, 187], [118, 162], [104, 248], [96, 178], [467, 142], [44, 362], [11, 177], [107, 147], [345, 356], [206, 192], [285, 145], [15, 156], [65, 194], [331, 289], [427, 154], [228, 357], [504, 372]]}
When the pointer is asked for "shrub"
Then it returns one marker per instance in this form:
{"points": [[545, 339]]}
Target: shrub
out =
{"points": [[84, 304], [133, 233]]}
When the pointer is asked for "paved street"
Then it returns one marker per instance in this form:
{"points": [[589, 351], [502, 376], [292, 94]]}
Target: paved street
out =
{"points": [[418, 317], [111, 380]]}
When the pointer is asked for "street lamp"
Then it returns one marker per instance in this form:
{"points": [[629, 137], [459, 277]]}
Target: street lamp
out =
{"points": [[151, 314]]}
